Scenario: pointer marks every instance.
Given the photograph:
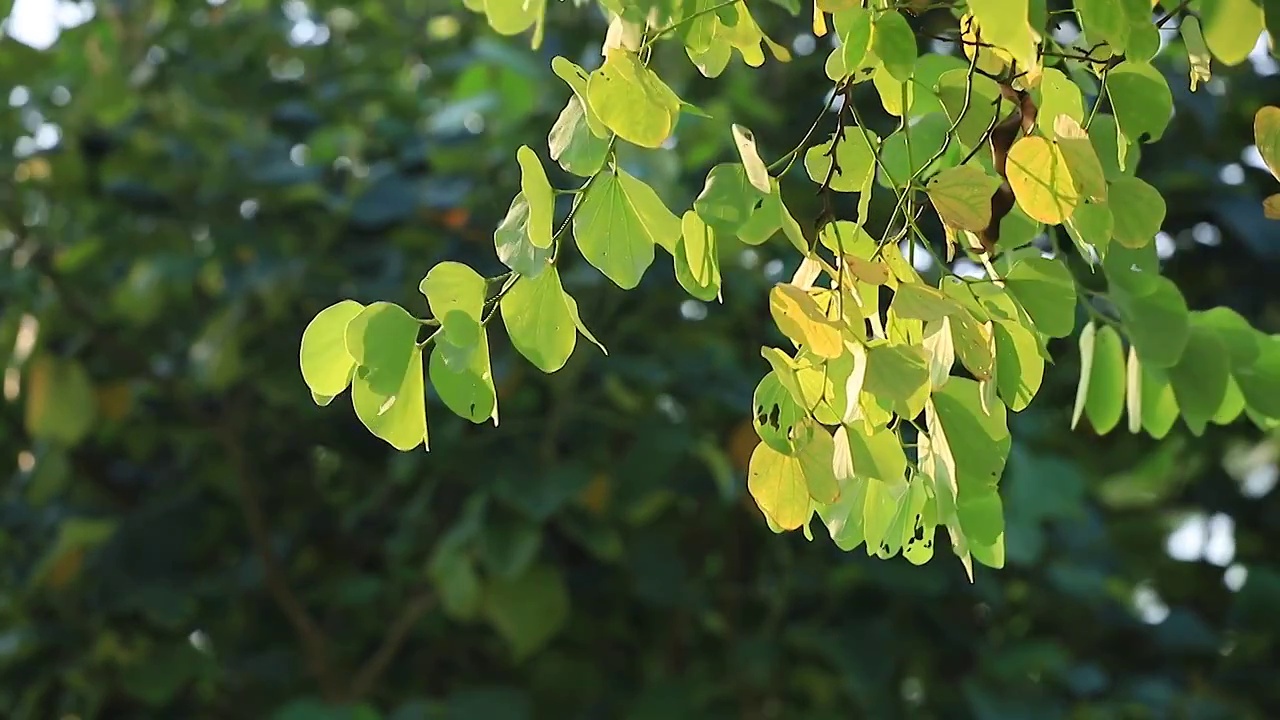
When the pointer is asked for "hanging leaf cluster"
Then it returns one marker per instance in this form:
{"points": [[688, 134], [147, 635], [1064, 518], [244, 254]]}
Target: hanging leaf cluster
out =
{"points": [[885, 413]]}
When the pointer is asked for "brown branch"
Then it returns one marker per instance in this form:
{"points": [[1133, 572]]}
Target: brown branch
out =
{"points": [[315, 644], [397, 633]]}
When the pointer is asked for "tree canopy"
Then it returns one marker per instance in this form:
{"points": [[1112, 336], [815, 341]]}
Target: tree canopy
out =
{"points": [[983, 279]]}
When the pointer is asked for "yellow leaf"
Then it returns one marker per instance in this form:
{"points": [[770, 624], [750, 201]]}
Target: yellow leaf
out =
{"points": [[1041, 181], [1081, 158], [800, 319], [776, 482], [962, 196], [1271, 207]]}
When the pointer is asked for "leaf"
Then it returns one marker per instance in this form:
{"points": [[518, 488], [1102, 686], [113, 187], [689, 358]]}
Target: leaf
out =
{"points": [[326, 366], [1271, 207], [537, 192], [1046, 290], [777, 484], [853, 27], [918, 301], [883, 515], [799, 318], [1020, 367], [511, 240], [577, 79], [1133, 391], [632, 101], [697, 260], [984, 95], [573, 145], [1041, 180], [757, 173], [538, 320], [940, 349], [876, 455], [962, 196], [1138, 211], [455, 293], [854, 158], [1197, 52], [979, 441], [1104, 21], [1007, 24], [727, 199], [617, 224], [1260, 382], [903, 160], [1266, 134], [1105, 403], [894, 43], [1058, 96], [1200, 376], [387, 390], [816, 462], [1231, 28], [1141, 100], [1156, 321], [898, 378], [1159, 406], [1081, 158], [468, 390], [528, 611], [60, 402], [1090, 228], [770, 216], [512, 17], [778, 419], [1088, 340], [577, 321]]}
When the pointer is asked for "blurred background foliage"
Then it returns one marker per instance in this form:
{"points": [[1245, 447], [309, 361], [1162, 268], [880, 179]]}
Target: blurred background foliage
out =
{"points": [[186, 535]]}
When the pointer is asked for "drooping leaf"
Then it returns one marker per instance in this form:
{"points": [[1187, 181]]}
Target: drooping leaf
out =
{"points": [[898, 377], [537, 192], [1007, 24], [854, 156], [979, 441], [777, 418], [1156, 321], [537, 317], [1141, 100], [1105, 402], [1200, 376], [467, 390], [777, 484], [632, 101], [799, 318], [388, 390], [573, 145], [326, 366], [962, 196], [511, 240], [755, 168], [1266, 134], [577, 78], [1047, 291], [1231, 28], [617, 224], [697, 259], [1138, 211], [1087, 342], [727, 199], [894, 44]]}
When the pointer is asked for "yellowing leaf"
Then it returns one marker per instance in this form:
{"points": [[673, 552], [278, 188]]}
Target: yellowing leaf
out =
{"points": [[756, 171], [1059, 95], [537, 192], [1082, 160], [1271, 207], [60, 402], [1197, 52], [777, 484], [799, 318], [577, 78], [1041, 180], [1266, 133], [898, 378], [854, 160], [1006, 24], [962, 196]]}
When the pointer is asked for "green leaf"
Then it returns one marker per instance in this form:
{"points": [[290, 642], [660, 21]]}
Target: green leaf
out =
{"points": [[1090, 228], [984, 95], [528, 611], [537, 192], [455, 293], [1105, 403], [778, 419], [918, 301], [387, 390], [902, 163], [883, 516], [467, 390], [962, 196], [1133, 390], [1138, 211], [1118, 154], [816, 462], [1231, 28], [577, 79], [1046, 290], [979, 441], [877, 455], [60, 402], [727, 199], [768, 218], [1058, 96], [632, 101], [1200, 376], [1087, 342], [617, 224], [538, 320], [1083, 165], [894, 43], [1141, 100], [1020, 367], [511, 240], [1266, 133], [577, 321], [573, 145], [697, 259], [1159, 406], [1104, 21], [1260, 382], [777, 484], [757, 173], [326, 366], [854, 158], [1135, 270], [512, 17], [853, 27], [898, 378], [1156, 321]]}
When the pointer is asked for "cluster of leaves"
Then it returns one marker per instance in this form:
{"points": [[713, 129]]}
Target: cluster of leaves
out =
{"points": [[886, 416]]}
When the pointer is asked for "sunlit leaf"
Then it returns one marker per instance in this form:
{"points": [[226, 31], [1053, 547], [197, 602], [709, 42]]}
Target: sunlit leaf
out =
{"points": [[1156, 321], [537, 192], [1105, 402], [1138, 211], [1041, 180], [388, 390], [777, 484], [1047, 291], [538, 321], [799, 318], [617, 224], [898, 377], [727, 199], [962, 196], [854, 160], [755, 168], [1231, 28], [573, 145], [1141, 100], [511, 240], [632, 101], [326, 366], [1199, 378]]}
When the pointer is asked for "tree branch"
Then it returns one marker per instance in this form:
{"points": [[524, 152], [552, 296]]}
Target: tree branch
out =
{"points": [[397, 633], [315, 644]]}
